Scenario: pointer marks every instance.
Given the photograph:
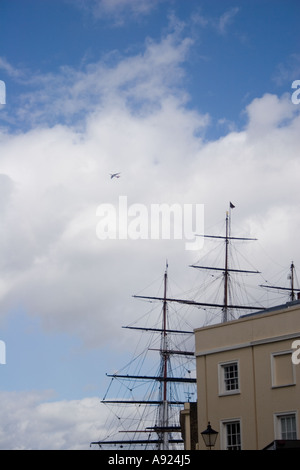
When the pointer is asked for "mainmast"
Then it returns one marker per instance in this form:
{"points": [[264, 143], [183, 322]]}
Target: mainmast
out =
{"points": [[226, 306], [164, 359], [227, 270], [226, 274]]}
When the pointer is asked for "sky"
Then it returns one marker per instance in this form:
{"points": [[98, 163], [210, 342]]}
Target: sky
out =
{"points": [[195, 103]]}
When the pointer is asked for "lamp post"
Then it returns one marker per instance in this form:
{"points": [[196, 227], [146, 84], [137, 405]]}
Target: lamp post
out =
{"points": [[209, 436]]}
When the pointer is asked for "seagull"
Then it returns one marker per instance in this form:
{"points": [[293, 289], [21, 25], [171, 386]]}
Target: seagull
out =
{"points": [[115, 175]]}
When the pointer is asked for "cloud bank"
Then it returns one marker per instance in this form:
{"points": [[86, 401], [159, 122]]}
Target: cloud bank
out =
{"points": [[123, 118], [29, 422]]}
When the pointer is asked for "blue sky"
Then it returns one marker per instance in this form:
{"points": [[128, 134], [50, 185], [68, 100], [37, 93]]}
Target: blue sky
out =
{"points": [[239, 51], [191, 101]]}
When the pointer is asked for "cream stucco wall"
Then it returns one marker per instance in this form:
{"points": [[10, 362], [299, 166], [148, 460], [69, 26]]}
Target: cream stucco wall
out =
{"points": [[251, 341]]}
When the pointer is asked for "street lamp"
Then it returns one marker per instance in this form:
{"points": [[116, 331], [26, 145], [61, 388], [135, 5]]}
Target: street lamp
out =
{"points": [[209, 436]]}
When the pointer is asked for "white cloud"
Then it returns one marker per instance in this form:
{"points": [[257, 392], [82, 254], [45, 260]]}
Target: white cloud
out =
{"points": [[11, 71], [117, 9], [219, 24], [269, 113], [226, 19], [288, 71], [137, 6], [72, 94], [134, 119], [30, 422]]}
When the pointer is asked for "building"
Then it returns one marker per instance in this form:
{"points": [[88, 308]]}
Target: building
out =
{"points": [[248, 379], [189, 426]]}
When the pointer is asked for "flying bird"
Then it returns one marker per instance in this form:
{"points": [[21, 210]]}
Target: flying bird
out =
{"points": [[115, 175]]}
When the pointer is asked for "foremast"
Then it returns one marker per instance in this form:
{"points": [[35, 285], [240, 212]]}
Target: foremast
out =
{"points": [[163, 427]]}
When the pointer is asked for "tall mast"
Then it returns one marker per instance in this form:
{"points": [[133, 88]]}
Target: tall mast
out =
{"points": [[164, 362], [292, 288], [292, 282], [226, 274], [164, 427], [166, 399], [227, 270], [164, 349]]}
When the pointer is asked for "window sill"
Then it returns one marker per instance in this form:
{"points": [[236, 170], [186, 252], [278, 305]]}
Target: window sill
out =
{"points": [[229, 394], [283, 386]]}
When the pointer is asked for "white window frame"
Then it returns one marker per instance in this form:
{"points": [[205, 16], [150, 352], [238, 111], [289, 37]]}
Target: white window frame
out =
{"points": [[221, 373], [224, 434], [277, 424]]}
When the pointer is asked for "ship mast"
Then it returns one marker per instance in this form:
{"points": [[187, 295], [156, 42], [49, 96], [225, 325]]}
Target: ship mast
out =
{"points": [[163, 428], [165, 359], [226, 274], [227, 270], [292, 290], [165, 400], [292, 282]]}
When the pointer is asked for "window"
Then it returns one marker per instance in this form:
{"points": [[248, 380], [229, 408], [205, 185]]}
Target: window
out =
{"points": [[232, 435], [286, 426], [282, 369], [229, 378]]}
